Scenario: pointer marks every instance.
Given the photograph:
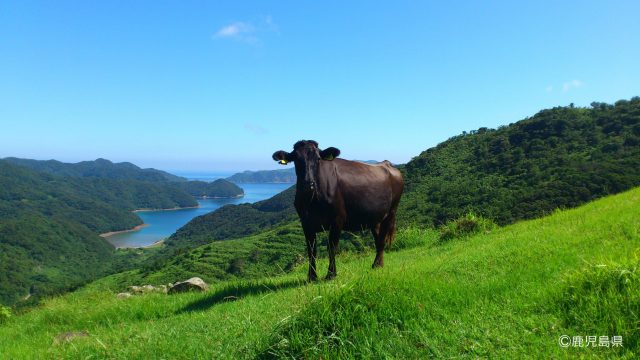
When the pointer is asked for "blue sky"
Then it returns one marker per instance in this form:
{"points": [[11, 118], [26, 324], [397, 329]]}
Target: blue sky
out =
{"points": [[204, 85]]}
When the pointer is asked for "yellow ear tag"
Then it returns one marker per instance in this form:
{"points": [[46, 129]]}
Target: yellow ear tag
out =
{"points": [[283, 162]]}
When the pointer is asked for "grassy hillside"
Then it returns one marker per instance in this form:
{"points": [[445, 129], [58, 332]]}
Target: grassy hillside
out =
{"points": [[274, 251], [505, 294], [560, 157]]}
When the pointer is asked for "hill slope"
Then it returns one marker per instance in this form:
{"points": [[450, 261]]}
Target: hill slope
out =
{"points": [[561, 157], [506, 294]]}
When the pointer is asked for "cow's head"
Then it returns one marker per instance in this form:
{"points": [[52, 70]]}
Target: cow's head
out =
{"points": [[306, 156]]}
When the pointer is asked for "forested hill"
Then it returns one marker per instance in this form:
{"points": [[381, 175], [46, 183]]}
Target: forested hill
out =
{"points": [[51, 215], [560, 157], [128, 172], [287, 175], [49, 233], [49, 226], [100, 168]]}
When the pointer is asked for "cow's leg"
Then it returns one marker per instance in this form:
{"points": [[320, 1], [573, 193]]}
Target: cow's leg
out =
{"points": [[379, 260], [312, 252], [385, 233], [332, 246], [375, 230]]}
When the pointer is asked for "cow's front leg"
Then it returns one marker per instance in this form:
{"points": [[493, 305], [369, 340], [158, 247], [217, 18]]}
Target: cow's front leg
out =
{"points": [[312, 253], [332, 246]]}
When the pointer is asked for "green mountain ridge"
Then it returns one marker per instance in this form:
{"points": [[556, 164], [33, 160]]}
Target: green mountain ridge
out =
{"points": [[560, 157], [100, 168]]}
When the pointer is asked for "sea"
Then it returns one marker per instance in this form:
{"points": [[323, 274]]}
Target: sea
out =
{"points": [[162, 223]]}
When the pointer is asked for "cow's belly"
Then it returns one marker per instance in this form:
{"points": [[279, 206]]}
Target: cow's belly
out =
{"points": [[362, 214]]}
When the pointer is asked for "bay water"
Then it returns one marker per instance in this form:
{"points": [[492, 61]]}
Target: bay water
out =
{"points": [[162, 223]]}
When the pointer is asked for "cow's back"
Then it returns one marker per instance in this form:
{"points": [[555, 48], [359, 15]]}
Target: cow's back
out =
{"points": [[367, 192]]}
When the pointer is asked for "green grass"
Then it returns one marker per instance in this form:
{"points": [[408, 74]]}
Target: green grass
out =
{"points": [[506, 294]]}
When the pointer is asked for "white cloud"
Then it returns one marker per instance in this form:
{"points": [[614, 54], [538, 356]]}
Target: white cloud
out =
{"points": [[237, 29], [573, 84], [550, 88], [246, 31], [255, 129]]}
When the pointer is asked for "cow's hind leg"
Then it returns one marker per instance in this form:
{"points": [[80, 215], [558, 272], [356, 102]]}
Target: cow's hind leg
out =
{"points": [[332, 246], [383, 236]]}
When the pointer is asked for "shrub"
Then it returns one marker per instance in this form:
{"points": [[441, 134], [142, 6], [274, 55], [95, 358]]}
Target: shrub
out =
{"points": [[5, 314], [464, 226], [236, 266]]}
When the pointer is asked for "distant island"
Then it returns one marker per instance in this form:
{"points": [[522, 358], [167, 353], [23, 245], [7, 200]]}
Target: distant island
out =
{"points": [[286, 176], [220, 188]]}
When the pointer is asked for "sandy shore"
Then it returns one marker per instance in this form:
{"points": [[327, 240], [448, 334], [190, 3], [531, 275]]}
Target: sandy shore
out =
{"points": [[155, 244], [111, 233], [221, 197], [169, 209]]}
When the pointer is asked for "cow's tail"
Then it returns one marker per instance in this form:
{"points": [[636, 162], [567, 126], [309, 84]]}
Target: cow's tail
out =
{"points": [[391, 232]]}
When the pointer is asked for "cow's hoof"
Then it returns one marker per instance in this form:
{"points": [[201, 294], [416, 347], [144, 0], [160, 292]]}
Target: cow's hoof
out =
{"points": [[376, 265], [312, 279], [330, 276]]}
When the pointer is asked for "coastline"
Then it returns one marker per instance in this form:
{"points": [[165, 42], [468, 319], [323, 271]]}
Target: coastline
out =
{"points": [[220, 197], [111, 233], [190, 207], [168, 209], [155, 244]]}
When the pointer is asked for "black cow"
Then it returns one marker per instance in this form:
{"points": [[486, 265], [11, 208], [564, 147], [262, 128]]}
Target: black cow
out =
{"points": [[335, 194]]}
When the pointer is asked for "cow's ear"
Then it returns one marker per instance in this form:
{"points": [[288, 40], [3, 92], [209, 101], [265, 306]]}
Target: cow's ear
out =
{"points": [[329, 153], [282, 157]]}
